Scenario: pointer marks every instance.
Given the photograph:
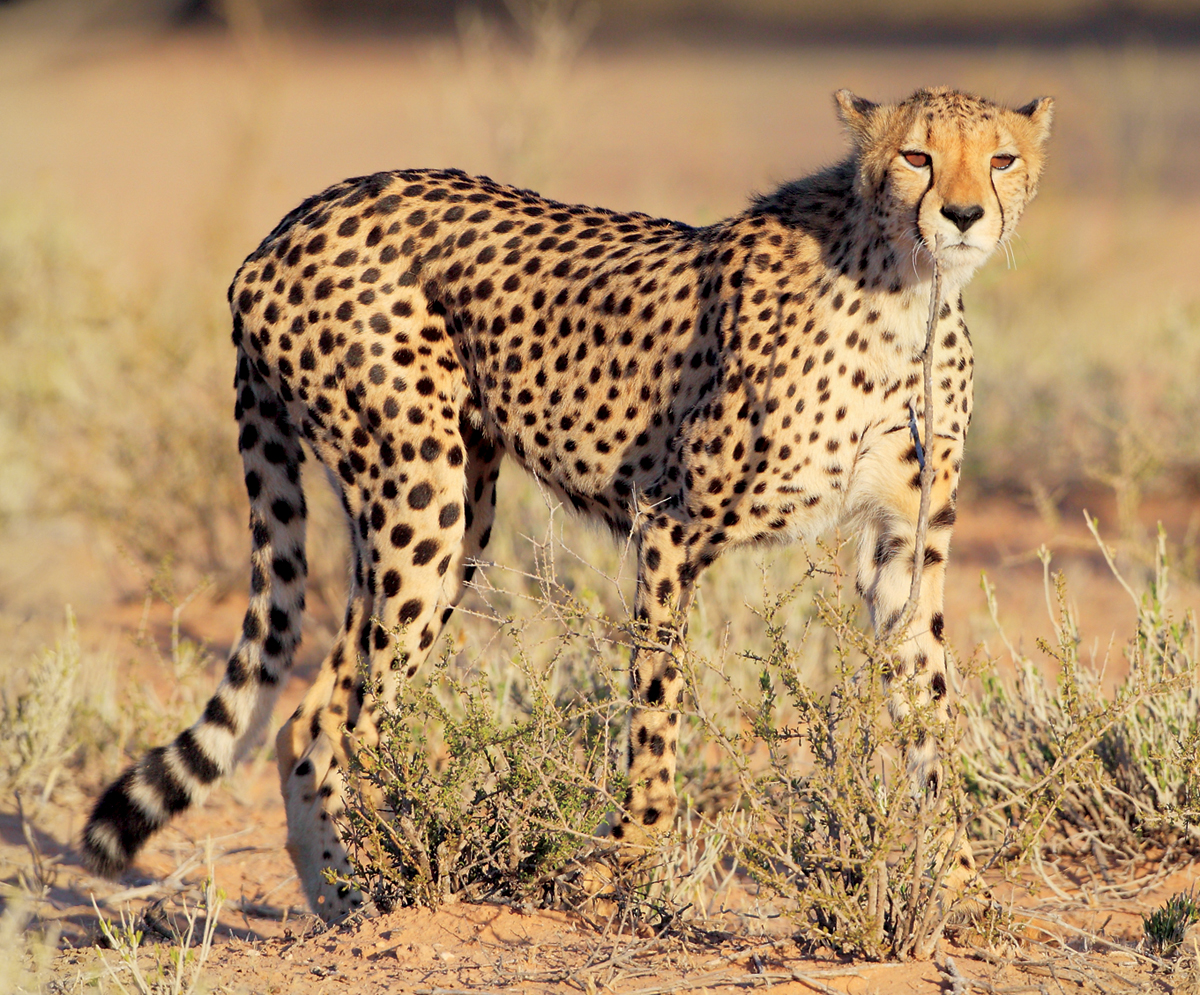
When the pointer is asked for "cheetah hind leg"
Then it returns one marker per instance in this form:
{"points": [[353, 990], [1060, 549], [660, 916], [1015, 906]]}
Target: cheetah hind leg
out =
{"points": [[423, 546]]}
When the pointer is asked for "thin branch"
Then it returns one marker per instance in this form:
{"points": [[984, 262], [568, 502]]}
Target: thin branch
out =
{"points": [[927, 470]]}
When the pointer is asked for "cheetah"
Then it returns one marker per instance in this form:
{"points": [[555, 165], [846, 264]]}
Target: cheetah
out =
{"points": [[701, 388]]}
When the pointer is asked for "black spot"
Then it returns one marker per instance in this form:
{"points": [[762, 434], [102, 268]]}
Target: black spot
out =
{"points": [[939, 687], [425, 551], [391, 583], [945, 518], [420, 496], [248, 439], [886, 549]]}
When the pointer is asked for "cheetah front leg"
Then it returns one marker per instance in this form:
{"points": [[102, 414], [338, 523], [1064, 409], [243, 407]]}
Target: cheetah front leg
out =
{"points": [[886, 507], [668, 564]]}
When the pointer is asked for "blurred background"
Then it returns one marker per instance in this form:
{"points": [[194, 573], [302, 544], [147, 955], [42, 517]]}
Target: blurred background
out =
{"points": [[146, 146]]}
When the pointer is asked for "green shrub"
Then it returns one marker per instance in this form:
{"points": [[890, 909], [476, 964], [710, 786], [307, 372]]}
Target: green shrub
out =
{"points": [[837, 831]]}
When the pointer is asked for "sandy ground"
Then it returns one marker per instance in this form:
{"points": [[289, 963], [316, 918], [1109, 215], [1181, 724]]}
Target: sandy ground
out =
{"points": [[267, 943]]}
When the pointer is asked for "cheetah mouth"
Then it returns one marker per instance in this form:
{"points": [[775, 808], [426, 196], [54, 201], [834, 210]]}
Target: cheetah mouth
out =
{"points": [[951, 249], [956, 250]]}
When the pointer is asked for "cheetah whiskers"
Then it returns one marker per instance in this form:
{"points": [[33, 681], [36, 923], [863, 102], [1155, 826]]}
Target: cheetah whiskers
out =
{"points": [[918, 243], [1011, 237], [1010, 258]]}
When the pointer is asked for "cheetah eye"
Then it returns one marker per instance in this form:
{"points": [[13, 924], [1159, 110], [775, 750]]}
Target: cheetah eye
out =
{"points": [[920, 160], [1003, 161]]}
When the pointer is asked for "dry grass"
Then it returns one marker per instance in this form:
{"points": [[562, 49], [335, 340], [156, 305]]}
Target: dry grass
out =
{"points": [[1116, 772], [813, 805]]}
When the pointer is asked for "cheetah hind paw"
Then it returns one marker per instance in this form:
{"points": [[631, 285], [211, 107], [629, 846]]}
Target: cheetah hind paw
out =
{"points": [[962, 895], [607, 888], [607, 880]]}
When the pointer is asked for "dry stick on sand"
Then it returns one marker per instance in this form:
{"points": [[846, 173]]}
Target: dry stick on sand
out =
{"points": [[924, 452]]}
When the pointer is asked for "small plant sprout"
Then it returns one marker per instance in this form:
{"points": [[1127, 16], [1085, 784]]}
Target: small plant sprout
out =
{"points": [[1163, 929], [183, 969]]}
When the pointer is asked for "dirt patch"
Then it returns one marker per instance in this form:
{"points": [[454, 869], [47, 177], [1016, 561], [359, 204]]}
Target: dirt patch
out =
{"points": [[1085, 940]]}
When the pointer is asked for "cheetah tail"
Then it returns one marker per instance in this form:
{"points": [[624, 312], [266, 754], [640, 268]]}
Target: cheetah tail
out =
{"points": [[170, 778]]}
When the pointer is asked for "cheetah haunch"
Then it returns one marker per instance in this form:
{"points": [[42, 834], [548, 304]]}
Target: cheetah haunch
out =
{"points": [[707, 388]]}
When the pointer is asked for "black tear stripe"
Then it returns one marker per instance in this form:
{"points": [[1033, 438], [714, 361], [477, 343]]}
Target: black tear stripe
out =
{"points": [[920, 204]]}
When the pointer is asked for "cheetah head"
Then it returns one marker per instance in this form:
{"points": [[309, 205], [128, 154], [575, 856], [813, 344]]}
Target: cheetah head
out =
{"points": [[947, 172]]}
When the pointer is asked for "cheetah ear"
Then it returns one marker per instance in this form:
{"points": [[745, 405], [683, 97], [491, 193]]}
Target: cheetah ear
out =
{"points": [[854, 112], [1041, 113]]}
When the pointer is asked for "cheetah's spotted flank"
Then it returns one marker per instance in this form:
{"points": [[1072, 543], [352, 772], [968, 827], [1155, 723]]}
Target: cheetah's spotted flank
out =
{"points": [[708, 388]]}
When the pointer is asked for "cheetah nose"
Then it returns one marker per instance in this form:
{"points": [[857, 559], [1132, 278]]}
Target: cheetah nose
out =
{"points": [[963, 217]]}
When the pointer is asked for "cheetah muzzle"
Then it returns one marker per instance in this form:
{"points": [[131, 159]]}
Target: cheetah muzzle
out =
{"points": [[707, 388]]}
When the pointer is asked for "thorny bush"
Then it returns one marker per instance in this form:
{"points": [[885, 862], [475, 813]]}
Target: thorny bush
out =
{"points": [[487, 797]]}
